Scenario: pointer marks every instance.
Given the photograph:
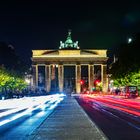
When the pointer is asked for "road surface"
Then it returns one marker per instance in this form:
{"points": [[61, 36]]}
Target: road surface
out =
{"points": [[118, 118]]}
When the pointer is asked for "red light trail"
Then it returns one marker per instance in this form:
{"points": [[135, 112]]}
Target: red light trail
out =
{"points": [[129, 106]]}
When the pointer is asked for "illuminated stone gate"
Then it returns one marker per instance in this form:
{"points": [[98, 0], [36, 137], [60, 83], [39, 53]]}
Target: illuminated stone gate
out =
{"points": [[69, 53]]}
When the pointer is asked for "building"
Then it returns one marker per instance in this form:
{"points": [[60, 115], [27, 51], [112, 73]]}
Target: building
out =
{"points": [[69, 54]]}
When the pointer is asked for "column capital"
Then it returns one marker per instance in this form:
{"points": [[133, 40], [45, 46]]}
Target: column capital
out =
{"points": [[104, 64], [34, 65], [60, 63], [78, 63], [91, 63], [47, 63]]}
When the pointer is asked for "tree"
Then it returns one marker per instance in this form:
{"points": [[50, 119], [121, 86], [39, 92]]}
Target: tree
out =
{"points": [[10, 81]]}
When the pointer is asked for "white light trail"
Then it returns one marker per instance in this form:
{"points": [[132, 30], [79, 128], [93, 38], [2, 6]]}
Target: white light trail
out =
{"points": [[35, 103]]}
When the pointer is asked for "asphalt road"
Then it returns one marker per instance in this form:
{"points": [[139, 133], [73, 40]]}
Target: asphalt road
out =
{"points": [[117, 118]]}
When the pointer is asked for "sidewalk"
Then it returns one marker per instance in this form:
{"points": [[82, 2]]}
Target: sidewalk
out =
{"points": [[68, 122]]}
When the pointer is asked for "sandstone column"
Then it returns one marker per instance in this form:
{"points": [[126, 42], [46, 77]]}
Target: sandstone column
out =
{"points": [[104, 77], [35, 76], [90, 76], [48, 77], [61, 77], [78, 78]]}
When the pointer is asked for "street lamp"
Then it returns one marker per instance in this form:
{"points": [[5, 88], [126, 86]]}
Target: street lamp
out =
{"points": [[27, 81], [129, 40]]}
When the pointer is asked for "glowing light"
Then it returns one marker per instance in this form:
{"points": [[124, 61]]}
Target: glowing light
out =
{"points": [[129, 40], [27, 81], [82, 82], [34, 103], [111, 81], [127, 106]]}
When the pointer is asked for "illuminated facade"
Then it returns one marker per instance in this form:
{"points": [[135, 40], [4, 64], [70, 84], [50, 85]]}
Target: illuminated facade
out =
{"points": [[69, 54]]}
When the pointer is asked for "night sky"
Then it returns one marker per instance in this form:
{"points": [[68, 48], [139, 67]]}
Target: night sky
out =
{"points": [[96, 24]]}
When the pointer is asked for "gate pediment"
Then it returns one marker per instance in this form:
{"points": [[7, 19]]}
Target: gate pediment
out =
{"points": [[54, 52], [88, 52]]}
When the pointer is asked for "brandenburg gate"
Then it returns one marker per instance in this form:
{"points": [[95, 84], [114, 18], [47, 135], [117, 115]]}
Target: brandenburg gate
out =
{"points": [[69, 53]]}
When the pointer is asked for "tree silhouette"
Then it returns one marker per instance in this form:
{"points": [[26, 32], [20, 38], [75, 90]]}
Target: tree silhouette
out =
{"points": [[10, 59]]}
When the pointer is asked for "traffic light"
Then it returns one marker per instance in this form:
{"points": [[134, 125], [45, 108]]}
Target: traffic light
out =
{"points": [[82, 82], [97, 82]]}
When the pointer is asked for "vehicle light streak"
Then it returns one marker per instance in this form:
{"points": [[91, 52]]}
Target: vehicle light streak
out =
{"points": [[17, 105], [120, 101], [102, 108], [118, 105], [29, 103], [54, 105], [39, 103]]}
